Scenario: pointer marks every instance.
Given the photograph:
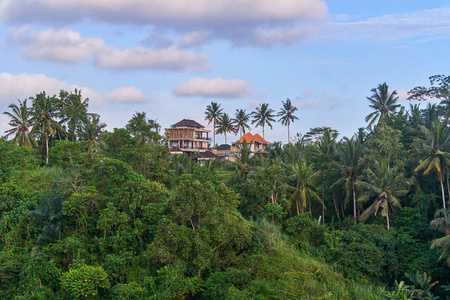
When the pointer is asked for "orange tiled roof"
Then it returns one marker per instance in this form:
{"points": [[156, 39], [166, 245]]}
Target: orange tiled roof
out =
{"points": [[260, 139], [250, 138]]}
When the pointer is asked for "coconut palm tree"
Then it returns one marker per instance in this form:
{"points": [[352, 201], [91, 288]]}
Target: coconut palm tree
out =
{"points": [[384, 185], [350, 151], [45, 114], [213, 112], [383, 102], [22, 122], [241, 118], [90, 131], [73, 111], [441, 223], [287, 115], [304, 178], [263, 115], [225, 124], [433, 149]]}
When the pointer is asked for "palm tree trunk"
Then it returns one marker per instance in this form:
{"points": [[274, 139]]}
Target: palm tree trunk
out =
{"points": [[225, 137], [336, 208], [263, 132], [288, 135], [443, 197], [387, 218], [214, 133], [46, 149], [354, 199]]}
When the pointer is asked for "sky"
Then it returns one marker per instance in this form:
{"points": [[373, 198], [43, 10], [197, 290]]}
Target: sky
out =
{"points": [[171, 59]]}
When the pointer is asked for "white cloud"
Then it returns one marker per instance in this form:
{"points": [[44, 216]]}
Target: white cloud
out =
{"points": [[281, 35], [128, 94], [427, 24], [65, 45], [249, 22], [161, 11], [171, 58], [22, 86], [217, 87]]}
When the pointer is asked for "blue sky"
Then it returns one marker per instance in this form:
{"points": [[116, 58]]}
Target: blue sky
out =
{"points": [[172, 58]]}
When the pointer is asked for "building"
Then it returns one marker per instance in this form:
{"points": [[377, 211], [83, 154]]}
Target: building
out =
{"points": [[188, 137], [223, 151], [255, 143]]}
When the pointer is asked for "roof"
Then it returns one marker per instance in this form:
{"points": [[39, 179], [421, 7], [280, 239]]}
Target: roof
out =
{"points": [[261, 139], [250, 138], [207, 154], [223, 147], [187, 123]]}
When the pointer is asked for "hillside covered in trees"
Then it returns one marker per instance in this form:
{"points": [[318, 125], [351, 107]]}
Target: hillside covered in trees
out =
{"points": [[91, 214]]}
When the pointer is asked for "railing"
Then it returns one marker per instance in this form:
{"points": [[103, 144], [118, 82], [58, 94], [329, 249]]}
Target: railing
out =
{"points": [[203, 138]]}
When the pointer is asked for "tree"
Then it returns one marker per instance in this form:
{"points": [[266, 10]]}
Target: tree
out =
{"points": [[433, 150], [383, 102], [225, 124], [241, 119], [73, 110], [263, 115], [351, 151], [287, 115], [144, 130], [385, 184], [45, 114], [304, 178], [439, 89], [21, 122], [213, 112], [90, 131]]}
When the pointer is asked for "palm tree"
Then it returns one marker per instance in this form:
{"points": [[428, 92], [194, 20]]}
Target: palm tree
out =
{"points": [[225, 124], [287, 115], [304, 178], [241, 119], [350, 152], [263, 115], [386, 184], [45, 114], [73, 110], [213, 112], [441, 223], [433, 148], [383, 102], [90, 131], [21, 122]]}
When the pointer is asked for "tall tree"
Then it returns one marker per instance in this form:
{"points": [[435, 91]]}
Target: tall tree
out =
{"points": [[45, 113], [304, 178], [73, 110], [433, 150], [90, 131], [439, 89], [241, 119], [213, 112], [350, 151], [287, 115], [263, 115], [225, 124], [384, 184], [383, 103], [22, 122]]}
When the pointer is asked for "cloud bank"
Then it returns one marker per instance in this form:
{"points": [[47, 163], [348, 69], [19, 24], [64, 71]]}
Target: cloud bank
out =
{"points": [[243, 23], [68, 46], [217, 87]]}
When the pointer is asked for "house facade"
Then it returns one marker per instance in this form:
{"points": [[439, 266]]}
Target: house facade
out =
{"points": [[255, 143], [188, 137]]}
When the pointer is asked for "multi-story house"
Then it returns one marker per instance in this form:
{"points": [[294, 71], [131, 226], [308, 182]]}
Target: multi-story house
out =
{"points": [[255, 143], [188, 137]]}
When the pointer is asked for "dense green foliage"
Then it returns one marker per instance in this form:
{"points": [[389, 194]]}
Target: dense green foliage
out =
{"points": [[91, 214]]}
